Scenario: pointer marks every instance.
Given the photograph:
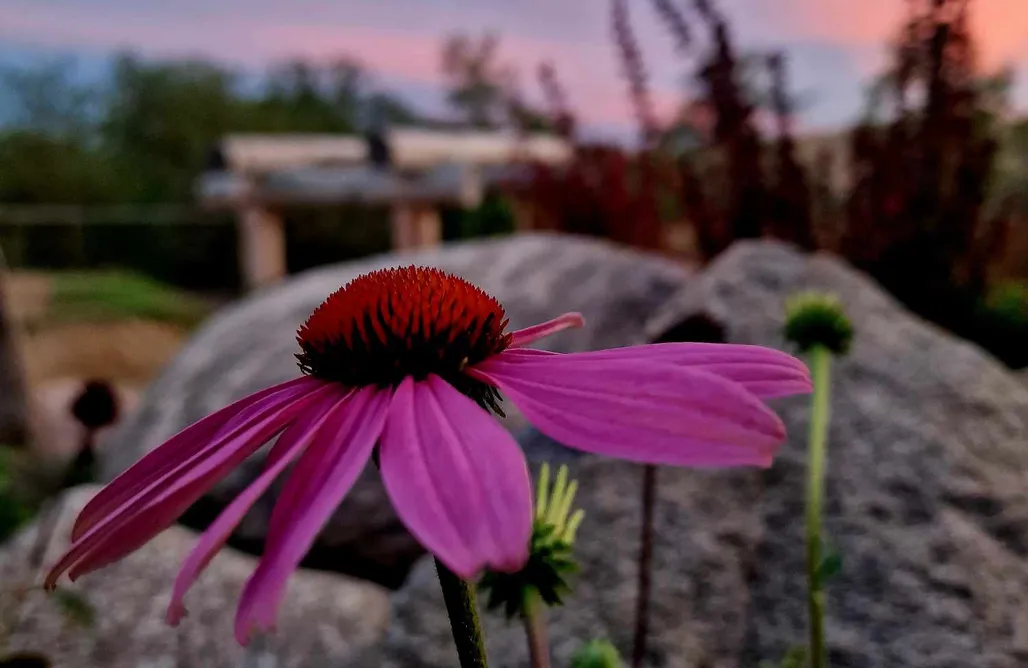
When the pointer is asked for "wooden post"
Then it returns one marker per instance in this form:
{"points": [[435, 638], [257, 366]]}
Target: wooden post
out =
{"points": [[262, 246], [430, 227], [524, 213], [14, 428], [415, 226], [401, 223]]}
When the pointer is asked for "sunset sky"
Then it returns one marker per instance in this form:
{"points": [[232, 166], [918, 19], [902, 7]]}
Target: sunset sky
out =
{"points": [[834, 45]]}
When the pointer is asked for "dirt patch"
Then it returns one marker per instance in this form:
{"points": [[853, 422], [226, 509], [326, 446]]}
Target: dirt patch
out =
{"points": [[131, 352], [60, 358], [28, 294]]}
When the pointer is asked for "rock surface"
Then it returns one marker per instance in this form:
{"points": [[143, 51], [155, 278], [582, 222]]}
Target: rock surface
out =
{"points": [[699, 574], [114, 618], [251, 345], [926, 501]]}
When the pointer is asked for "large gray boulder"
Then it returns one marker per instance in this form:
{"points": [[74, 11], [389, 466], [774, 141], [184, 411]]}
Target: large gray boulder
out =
{"points": [[927, 481], [251, 345], [115, 618]]}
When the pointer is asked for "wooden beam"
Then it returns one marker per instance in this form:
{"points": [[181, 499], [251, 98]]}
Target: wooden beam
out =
{"points": [[419, 148], [320, 186], [256, 153]]}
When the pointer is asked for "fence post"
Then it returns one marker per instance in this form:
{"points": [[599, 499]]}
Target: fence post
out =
{"points": [[262, 246], [13, 400]]}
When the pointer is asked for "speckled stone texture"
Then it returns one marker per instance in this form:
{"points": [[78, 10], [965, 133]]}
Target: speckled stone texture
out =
{"points": [[324, 619], [252, 344], [927, 480]]}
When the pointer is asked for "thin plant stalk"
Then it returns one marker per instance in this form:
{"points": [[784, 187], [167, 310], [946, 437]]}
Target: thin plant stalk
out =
{"points": [[644, 584], [462, 609], [535, 630], [820, 371]]}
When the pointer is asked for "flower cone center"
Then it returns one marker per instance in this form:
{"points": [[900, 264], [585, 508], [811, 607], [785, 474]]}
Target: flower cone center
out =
{"points": [[411, 321]]}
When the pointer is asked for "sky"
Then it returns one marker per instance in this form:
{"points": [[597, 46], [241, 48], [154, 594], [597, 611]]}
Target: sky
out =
{"points": [[834, 46]]}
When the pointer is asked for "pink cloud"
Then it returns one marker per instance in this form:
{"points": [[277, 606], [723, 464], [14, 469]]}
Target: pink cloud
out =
{"points": [[1000, 25], [587, 64], [588, 68]]}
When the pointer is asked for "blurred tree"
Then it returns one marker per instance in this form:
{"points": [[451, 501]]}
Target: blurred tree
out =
{"points": [[37, 167], [47, 98], [381, 108], [160, 121], [303, 97], [478, 83], [145, 136]]}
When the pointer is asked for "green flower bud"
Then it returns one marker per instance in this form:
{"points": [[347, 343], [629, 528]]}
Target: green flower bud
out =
{"points": [[814, 319], [550, 560], [596, 654]]}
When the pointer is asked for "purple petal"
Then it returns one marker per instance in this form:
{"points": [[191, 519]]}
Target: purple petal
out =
{"points": [[765, 372], [157, 505], [323, 476], [295, 438], [456, 478], [159, 461], [639, 410], [523, 337]]}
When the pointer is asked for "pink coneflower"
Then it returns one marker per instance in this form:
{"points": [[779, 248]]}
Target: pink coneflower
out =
{"points": [[406, 365]]}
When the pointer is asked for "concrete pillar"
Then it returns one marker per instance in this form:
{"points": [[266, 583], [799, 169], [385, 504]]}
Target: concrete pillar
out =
{"points": [[262, 246]]}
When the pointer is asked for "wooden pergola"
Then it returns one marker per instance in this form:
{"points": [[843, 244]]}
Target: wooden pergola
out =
{"points": [[412, 171]]}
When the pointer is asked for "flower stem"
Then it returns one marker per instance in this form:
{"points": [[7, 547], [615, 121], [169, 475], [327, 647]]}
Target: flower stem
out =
{"points": [[459, 596], [642, 605], [820, 371], [535, 630]]}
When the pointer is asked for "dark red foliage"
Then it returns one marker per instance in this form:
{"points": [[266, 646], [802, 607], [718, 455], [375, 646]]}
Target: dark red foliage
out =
{"points": [[560, 112], [635, 72], [915, 218], [906, 206], [789, 196], [604, 192], [736, 205], [675, 20]]}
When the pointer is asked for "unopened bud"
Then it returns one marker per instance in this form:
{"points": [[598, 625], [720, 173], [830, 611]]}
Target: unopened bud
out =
{"points": [[814, 319]]}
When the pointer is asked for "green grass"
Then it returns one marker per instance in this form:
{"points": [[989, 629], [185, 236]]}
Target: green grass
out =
{"points": [[105, 296]]}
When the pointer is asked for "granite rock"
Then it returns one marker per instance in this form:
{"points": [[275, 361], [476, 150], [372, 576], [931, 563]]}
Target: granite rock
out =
{"points": [[114, 618]]}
